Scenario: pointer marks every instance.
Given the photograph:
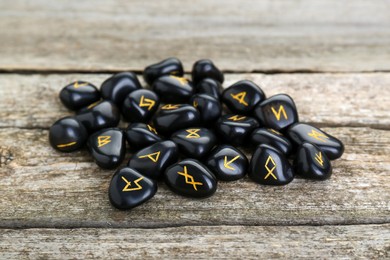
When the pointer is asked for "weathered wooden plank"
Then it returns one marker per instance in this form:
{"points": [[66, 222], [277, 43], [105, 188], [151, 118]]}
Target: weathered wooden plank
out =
{"points": [[326, 35], [203, 242], [31, 101], [43, 188]]}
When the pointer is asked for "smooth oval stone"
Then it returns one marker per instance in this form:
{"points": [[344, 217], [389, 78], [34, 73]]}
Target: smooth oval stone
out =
{"points": [[209, 87], [227, 163], [153, 160], [277, 112], [194, 142], [107, 147], [269, 166], [140, 105], [67, 135], [206, 69], [273, 138], [140, 135], [235, 129], [242, 97], [79, 94], [173, 117], [191, 178], [312, 163], [118, 86], [301, 133], [128, 189], [170, 66], [209, 108], [173, 89]]}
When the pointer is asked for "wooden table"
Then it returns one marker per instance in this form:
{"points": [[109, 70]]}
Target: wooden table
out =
{"points": [[332, 57]]}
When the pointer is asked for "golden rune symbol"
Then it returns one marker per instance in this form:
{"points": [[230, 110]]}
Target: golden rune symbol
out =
{"points": [[279, 112], [240, 97], [195, 103], [146, 102], [76, 85], [317, 135], [103, 140], [227, 163], [151, 129], [270, 171], [236, 118], [193, 133], [66, 145], [170, 107], [319, 159], [274, 131], [182, 80], [189, 178], [152, 156], [93, 104], [128, 184]]}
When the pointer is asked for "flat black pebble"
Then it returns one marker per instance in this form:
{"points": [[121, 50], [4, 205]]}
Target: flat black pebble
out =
{"points": [[277, 112], [107, 147], [170, 66], [312, 163], [79, 94], [227, 163], [118, 86], [273, 138], [269, 166], [206, 69], [128, 189], [191, 178], [301, 133], [209, 108], [140, 135], [173, 89], [194, 142], [153, 160], [67, 135], [209, 87], [140, 105]]}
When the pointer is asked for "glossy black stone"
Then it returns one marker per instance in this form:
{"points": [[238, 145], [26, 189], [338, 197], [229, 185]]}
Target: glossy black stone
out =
{"points": [[140, 135], [173, 117], [128, 189], [227, 163], [153, 160], [242, 97], [209, 108], [312, 163], [140, 105], [235, 129], [118, 86], [206, 69], [273, 138], [79, 94], [269, 166], [67, 135], [194, 142], [173, 89], [107, 147], [301, 133], [277, 112], [209, 87], [103, 115], [170, 66], [191, 178]]}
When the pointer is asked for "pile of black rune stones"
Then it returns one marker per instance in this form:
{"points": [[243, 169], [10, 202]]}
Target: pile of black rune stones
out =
{"points": [[188, 132]]}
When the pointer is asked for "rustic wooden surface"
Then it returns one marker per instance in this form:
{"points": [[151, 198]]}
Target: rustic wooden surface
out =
{"points": [[56, 205]]}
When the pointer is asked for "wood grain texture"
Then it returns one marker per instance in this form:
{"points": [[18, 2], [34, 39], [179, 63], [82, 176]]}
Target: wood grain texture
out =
{"points": [[31, 101], [203, 242], [271, 35], [44, 188]]}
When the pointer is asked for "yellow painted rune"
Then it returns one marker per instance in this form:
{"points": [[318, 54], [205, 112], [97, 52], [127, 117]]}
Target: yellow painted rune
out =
{"points": [[103, 140], [236, 118], [274, 131], [240, 97], [182, 80], [195, 104], [152, 156], [170, 107], [319, 159], [270, 171], [146, 102], [193, 133], [151, 129], [318, 136], [76, 85], [279, 112], [128, 184], [66, 145], [189, 179], [227, 163]]}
